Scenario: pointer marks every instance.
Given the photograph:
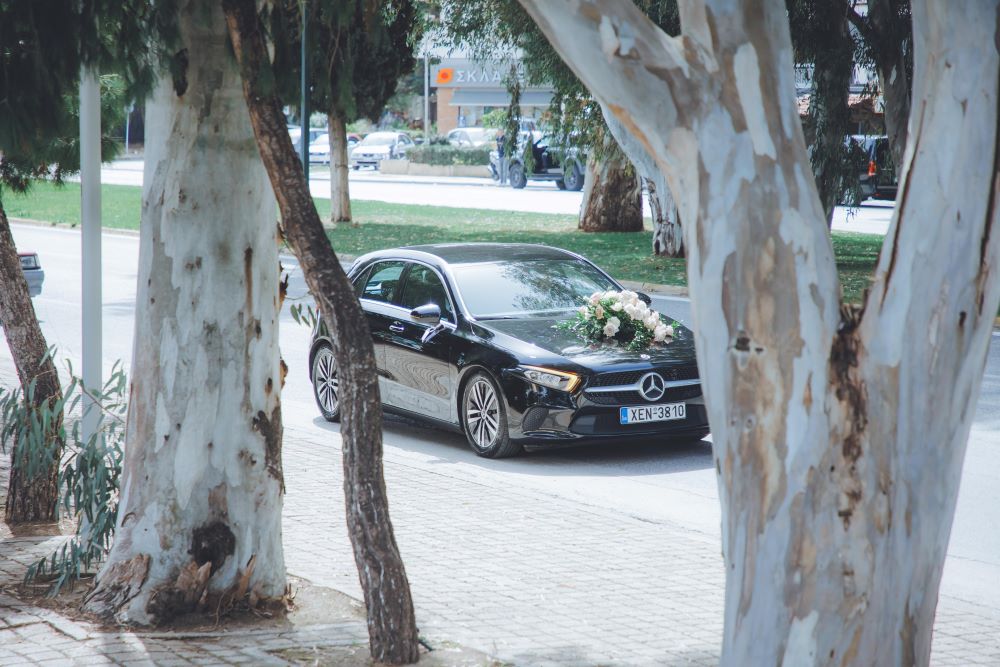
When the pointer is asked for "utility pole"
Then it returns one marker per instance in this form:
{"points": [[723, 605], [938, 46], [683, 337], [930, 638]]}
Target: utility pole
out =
{"points": [[427, 100], [304, 103], [90, 210]]}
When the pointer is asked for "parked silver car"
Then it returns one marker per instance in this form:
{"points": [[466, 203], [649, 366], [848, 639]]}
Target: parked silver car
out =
{"points": [[379, 146]]}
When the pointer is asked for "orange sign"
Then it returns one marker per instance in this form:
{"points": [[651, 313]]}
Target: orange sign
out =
{"points": [[445, 75]]}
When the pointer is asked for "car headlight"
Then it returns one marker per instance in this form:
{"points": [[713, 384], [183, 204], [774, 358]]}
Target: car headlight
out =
{"points": [[551, 378]]}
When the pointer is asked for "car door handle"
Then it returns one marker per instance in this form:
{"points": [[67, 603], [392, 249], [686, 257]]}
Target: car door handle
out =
{"points": [[397, 327]]}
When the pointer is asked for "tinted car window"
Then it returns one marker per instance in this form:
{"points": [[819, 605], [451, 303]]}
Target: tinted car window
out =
{"points": [[381, 284], [361, 280], [520, 288], [422, 287]]}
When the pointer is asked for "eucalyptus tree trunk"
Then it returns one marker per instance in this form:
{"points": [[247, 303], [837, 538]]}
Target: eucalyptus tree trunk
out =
{"points": [[340, 194], [668, 238], [200, 513], [34, 498], [839, 433], [612, 194], [828, 110], [392, 629]]}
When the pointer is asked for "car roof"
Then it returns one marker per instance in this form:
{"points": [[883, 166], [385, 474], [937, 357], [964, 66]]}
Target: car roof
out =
{"points": [[483, 253]]}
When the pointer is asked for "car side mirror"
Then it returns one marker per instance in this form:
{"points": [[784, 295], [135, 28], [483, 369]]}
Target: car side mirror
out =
{"points": [[645, 298], [429, 313]]}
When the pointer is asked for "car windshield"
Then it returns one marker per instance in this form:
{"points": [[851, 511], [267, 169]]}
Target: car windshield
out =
{"points": [[378, 140], [527, 288]]}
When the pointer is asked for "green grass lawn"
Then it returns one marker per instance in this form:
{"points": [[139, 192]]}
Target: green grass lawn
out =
{"points": [[382, 225]]}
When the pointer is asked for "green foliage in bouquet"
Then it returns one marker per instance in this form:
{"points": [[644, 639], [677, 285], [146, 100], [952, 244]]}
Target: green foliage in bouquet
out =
{"points": [[621, 318]]}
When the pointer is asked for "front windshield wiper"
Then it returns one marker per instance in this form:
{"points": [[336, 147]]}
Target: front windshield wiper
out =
{"points": [[483, 318]]}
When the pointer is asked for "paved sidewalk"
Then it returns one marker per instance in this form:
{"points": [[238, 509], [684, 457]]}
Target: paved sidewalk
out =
{"points": [[540, 580], [530, 578]]}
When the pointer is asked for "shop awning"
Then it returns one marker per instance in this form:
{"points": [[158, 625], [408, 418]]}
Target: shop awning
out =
{"points": [[471, 97]]}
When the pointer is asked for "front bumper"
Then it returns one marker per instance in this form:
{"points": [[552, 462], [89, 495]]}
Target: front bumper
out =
{"points": [[368, 161], [540, 417]]}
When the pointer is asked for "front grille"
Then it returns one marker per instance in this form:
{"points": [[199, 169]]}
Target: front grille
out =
{"points": [[635, 398], [670, 374]]}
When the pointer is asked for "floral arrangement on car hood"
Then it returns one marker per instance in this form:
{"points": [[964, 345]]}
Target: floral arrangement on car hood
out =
{"points": [[621, 317]]}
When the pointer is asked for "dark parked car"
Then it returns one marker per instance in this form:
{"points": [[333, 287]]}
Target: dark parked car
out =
{"points": [[549, 164], [464, 338], [879, 180], [32, 272]]}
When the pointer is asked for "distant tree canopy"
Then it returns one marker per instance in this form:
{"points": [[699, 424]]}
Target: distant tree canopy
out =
{"points": [[492, 28], [358, 50], [42, 49]]}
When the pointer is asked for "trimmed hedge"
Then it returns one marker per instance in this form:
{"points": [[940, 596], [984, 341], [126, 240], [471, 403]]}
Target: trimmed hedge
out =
{"points": [[449, 155]]}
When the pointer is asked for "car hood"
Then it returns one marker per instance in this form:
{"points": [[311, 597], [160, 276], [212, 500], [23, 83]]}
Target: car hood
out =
{"points": [[372, 150], [528, 337]]}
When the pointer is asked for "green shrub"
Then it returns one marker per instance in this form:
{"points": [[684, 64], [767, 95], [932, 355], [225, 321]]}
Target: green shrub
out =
{"points": [[88, 475], [449, 155]]}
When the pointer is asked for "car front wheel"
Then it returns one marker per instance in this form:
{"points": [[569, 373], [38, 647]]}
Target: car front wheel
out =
{"points": [[326, 383], [518, 179], [485, 418], [573, 178]]}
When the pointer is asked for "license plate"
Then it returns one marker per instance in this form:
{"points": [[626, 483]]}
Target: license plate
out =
{"points": [[652, 413]]}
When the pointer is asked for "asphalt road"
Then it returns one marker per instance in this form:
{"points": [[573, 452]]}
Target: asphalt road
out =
{"points": [[482, 193], [646, 481]]}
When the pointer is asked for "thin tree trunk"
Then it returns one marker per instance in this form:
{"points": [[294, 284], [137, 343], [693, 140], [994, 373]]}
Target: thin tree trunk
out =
{"points": [[668, 237], [612, 194], [838, 433], [889, 32], [828, 110], [340, 195], [34, 499], [200, 512], [392, 626]]}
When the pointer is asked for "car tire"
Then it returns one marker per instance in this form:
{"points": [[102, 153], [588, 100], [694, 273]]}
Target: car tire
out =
{"points": [[325, 382], [561, 184], [518, 179], [484, 418], [573, 179]]}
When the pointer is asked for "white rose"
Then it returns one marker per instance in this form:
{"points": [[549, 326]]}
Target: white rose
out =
{"points": [[630, 310], [584, 311], [595, 298], [610, 294], [611, 328], [651, 321], [617, 306], [670, 330], [641, 311], [660, 332], [599, 311]]}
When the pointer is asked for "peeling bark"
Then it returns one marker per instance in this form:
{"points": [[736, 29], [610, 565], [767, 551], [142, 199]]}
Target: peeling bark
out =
{"points": [[667, 238], [612, 196], [838, 433], [201, 485], [34, 499], [392, 629], [340, 196]]}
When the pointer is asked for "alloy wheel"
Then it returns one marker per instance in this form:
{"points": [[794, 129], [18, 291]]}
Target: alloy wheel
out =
{"points": [[326, 382], [482, 413]]}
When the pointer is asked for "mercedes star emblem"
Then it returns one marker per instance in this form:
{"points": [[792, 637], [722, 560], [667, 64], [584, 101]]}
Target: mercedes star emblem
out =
{"points": [[652, 386]]}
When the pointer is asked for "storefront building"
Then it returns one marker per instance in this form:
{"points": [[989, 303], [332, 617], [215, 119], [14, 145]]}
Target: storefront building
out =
{"points": [[466, 89]]}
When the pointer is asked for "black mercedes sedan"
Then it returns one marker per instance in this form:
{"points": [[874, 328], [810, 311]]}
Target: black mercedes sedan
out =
{"points": [[465, 337]]}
